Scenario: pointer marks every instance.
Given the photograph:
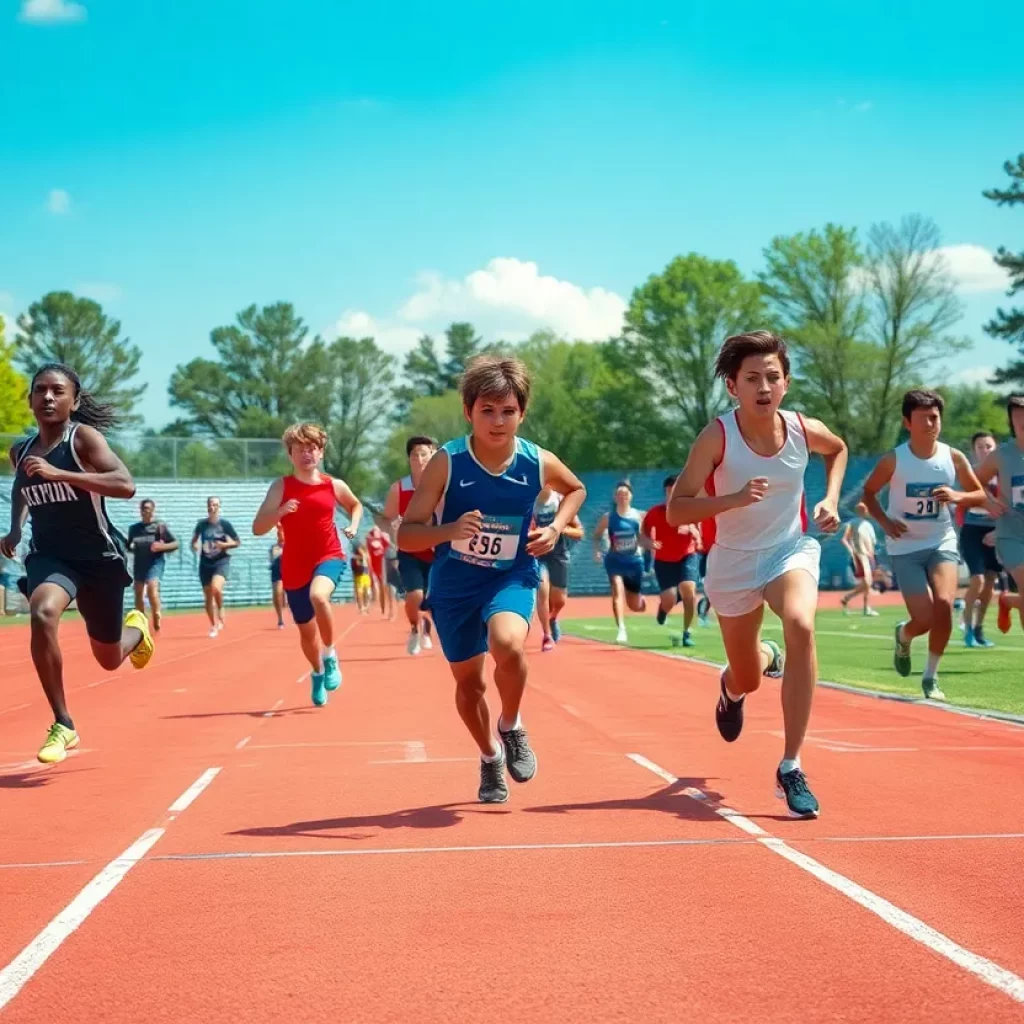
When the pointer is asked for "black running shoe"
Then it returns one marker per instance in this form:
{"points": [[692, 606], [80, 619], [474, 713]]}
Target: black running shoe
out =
{"points": [[792, 787], [522, 761], [661, 616], [729, 716], [493, 788]]}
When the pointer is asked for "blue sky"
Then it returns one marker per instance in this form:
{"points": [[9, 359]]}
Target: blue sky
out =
{"points": [[389, 167]]}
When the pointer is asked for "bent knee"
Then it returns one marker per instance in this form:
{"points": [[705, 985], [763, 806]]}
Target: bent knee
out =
{"points": [[44, 615], [507, 651], [799, 629]]}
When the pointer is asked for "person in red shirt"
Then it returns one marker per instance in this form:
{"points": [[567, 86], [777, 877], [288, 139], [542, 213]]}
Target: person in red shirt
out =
{"points": [[377, 544], [676, 562], [312, 560]]}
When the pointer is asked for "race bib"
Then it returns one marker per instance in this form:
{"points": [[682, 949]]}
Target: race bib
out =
{"points": [[624, 543], [919, 502], [1017, 492], [494, 547]]}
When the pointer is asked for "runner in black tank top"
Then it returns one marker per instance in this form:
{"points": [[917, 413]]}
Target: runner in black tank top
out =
{"points": [[61, 477]]}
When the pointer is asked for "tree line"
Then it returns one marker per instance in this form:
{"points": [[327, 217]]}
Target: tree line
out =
{"points": [[865, 317]]}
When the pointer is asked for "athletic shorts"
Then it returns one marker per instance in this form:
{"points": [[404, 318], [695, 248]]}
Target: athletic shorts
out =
{"points": [[1011, 552], [207, 570], [702, 564], [155, 571], [671, 574], [556, 569], [736, 580], [462, 622], [299, 601], [394, 576], [362, 582], [275, 573], [913, 569], [979, 557], [98, 587], [858, 567], [631, 572], [414, 571]]}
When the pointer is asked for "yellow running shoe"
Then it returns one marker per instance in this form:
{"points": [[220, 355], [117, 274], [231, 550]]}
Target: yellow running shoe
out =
{"points": [[141, 655], [59, 740]]}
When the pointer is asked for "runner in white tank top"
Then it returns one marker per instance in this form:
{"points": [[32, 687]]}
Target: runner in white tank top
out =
{"points": [[746, 472], [920, 536]]}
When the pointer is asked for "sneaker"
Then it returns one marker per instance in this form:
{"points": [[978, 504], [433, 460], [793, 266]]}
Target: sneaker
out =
{"points": [[846, 607], [729, 715], [703, 607], [556, 630], [980, 640], [332, 674], [661, 616], [621, 637], [1003, 621], [425, 642], [280, 625], [792, 787], [59, 740], [969, 636], [778, 663], [688, 640], [870, 613], [319, 690], [521, 760], [493, 788], [412, 645], [931, 689], [213, 633], [144, 649], [547, 644], [901, 653]]}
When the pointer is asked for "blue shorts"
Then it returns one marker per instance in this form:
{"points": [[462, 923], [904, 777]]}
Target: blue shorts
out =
{"points": [[207, 570], [415, 572], [631, 571], [913, 570], [152, 572], [672, 574], [462, 622], [299, 601]]}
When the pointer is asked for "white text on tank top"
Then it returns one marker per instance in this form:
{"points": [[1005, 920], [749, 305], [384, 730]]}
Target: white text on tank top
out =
{"points": [[779, 516], [911, 501]]}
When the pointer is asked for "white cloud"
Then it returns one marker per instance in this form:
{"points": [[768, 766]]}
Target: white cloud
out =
{"points": [[974, 268], [391, 337], [100, 291], [58, 202], [50, 11], [972, 375]]}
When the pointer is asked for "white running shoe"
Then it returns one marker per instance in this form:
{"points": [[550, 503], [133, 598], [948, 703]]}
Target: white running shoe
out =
{"points": [[413, 644], [425, 642], [213, 633], [621, 637], [871, 613]]}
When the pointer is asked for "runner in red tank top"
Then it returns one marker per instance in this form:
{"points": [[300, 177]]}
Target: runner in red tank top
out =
{"points": [[377, 544], [312, 560]]}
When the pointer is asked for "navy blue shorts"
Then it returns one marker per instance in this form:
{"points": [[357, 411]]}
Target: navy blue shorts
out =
{"points": [[671, 574], [462, 622], [207, 570], [155, 571], [979, 557], [415, 572], [299, 601], [631, 571], [557, 569]]}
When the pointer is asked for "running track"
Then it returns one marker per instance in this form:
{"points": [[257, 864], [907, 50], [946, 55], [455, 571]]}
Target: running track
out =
{"points": [[221, 851]]}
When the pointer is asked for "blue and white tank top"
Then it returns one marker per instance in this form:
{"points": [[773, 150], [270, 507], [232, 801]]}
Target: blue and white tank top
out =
{"points": [[911, 500], [544, 513], [624, 535], [1010, 525], [505, 500]]}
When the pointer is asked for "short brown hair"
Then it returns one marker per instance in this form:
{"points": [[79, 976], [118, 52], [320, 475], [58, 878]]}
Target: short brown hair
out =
{"points": [[753, 343], [494, 377], [922, 398], [305, 433]]}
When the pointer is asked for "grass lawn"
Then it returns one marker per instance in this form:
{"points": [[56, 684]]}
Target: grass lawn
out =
{"points": [[858, 651]]}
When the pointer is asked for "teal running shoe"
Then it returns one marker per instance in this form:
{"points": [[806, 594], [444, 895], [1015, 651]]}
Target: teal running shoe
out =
{"points": [[332, 674], [319, 689], [901, 653]]}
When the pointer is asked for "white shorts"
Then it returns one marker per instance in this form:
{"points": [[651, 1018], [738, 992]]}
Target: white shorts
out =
{"points": [[736, 580]]}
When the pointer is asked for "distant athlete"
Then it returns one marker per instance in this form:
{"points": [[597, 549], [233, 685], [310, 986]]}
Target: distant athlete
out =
{"points": [[484, 580], [676, 562], [312, 560], [859, 541], [978, 551], [377, 545], [214, 538], [62, 476], [922, 475], [149, 540], [276, 586], [750, 464], [414, 566], [624, 561], [553, 590], [361, 583]]}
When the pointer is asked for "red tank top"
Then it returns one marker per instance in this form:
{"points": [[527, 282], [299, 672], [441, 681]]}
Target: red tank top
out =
{"points": [[405, 493], [310, 532]]}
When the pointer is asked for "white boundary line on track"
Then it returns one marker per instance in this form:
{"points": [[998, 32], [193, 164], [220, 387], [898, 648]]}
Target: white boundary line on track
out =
{"points": [[21, 969], [991, 973]]}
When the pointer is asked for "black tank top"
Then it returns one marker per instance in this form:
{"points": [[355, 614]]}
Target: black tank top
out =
{"points": [[67, 523]]}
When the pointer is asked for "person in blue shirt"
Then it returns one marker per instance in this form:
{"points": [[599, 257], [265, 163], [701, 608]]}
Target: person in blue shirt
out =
{"points": [[628, 555], [483, 582]]}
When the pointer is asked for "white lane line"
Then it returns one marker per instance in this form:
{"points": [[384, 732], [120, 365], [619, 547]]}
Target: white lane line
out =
{"points": [[337, 743], [988, 971], [194, 790], [270, 713], [415, 750], [44, 864], [242, 742], [572, 711]]}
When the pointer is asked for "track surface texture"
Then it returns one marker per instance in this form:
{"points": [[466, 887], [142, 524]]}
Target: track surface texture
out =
{"points": [[220, 850]]}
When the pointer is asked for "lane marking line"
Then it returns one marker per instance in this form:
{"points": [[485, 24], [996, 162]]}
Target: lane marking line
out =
{"points": [[242, 742], [416, 750], [270, 713], [194, 790], [981, 967], [44, 864]]}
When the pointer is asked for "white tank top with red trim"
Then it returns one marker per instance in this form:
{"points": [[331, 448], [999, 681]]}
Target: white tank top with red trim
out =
{"points": [[781, 514]]}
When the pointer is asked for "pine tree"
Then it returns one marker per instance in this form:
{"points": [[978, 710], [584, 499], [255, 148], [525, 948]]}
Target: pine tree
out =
{"points": [[1009, 324]]}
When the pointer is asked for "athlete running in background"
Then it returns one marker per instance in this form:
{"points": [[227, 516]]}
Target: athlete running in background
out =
{"points": [[859, 541], [978, 550], [312, 560], [62, 476], [750, 462], [377, 544], [484, 581], [214, 538], [922, 475], [624, 560], [361, 583], [676, 562], [149, 540], [554, 567], [1006, 465], [277, 587], [414, 566]]}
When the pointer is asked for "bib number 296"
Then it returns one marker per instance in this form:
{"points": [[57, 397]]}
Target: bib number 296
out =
{"points": [[486, 544]]}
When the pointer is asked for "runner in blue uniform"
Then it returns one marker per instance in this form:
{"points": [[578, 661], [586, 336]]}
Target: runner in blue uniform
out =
{"points": [[483, 583], [627, 556]]}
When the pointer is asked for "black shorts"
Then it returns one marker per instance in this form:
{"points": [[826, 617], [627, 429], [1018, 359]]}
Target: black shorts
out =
{"points": [[414, 571], [207, 570], [557, 569], [671, 574], [97, 586], [394, 577], [979, 557]]}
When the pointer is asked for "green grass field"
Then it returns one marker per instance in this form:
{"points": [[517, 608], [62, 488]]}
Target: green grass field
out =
{"points": [[858, 651]]}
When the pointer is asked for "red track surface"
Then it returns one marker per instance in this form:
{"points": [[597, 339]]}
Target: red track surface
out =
{"points": [[716, 927]]}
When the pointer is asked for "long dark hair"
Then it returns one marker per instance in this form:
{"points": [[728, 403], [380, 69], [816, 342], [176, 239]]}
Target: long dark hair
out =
{"points": [[93, 413]]}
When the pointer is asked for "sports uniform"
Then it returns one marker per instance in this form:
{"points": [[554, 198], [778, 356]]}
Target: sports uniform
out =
{"points": [[212, 560], [676, 561], [377, 544], [754, 545], [1010, 525], [624, 557], [414, 566], [146, 565], [556, 562], [360, 575], [863, 549]]}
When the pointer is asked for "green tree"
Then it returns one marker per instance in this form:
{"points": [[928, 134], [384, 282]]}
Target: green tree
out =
{"points": [[1009, 324], [462, 344], [15, 415], [676, 322], [969, 409], [437, 416], [63, 328]]}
